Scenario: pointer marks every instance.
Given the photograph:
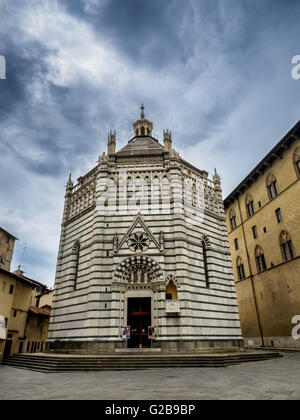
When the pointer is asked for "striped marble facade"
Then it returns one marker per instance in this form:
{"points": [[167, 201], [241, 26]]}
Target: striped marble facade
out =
{"points": [[109, 255]]}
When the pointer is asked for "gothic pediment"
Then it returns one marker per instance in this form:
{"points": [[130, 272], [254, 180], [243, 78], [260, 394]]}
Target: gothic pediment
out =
{"points": [[138, 238]]}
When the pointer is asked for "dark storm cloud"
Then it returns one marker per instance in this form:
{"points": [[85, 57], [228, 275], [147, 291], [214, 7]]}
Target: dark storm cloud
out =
{"points": [[24, 63], [146, 31], [37, 127]]}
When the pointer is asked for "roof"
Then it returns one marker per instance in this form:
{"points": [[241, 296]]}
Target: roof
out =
{"points": [[45, 311], [141, 145], [46, 292], [9, 234], [265, 163], [24, 279]]}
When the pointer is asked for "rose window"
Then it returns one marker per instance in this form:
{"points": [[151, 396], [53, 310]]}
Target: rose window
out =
{"points": [[138, 242]]}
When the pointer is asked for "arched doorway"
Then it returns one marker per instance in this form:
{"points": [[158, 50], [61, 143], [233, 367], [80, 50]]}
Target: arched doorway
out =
{"points": [[139, 276]]}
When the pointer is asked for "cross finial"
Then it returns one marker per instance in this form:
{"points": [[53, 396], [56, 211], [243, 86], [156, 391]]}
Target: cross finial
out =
{"points": [[142, 114]]}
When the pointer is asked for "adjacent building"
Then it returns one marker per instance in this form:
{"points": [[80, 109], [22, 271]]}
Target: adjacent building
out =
{"points": [[25, 306], [144, 256], [7, 245], [263, 221]]}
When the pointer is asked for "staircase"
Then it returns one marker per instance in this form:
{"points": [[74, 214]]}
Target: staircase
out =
{"points": [[50, 363]]}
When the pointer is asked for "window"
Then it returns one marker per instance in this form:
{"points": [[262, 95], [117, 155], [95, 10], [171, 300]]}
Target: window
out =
{"points": [[250, 205], [11, 289], [232, 218], [279, 215], [15, 314], [171, 291], [265, 230], [260, 259], [287, 246], [297, 161], [76, 252], [254, 230], [204, 251], [272, 186], [240, 268], [236, 244]]}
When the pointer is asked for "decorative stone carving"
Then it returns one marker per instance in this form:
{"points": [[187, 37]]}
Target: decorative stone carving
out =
{"points": [[115, 242], [138, 242], [139, 274], [172, 277], [138, 224], [125, 272], [172, 307], [162, 241]]}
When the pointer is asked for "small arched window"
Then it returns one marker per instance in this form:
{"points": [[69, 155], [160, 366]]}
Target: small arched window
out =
{"points": [[297, 161], [130, 187], [76, 252], [240, 268], [171, 291], [287, 247], [260, 259], [232, 219], [205, 262], [272, 186], [250, 205]]}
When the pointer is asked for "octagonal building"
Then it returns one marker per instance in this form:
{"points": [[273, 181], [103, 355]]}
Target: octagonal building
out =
{"points": [[144, 245]]}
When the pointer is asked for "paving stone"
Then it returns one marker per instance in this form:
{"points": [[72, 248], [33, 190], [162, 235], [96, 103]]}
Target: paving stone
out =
{"points": [[274, 379]]}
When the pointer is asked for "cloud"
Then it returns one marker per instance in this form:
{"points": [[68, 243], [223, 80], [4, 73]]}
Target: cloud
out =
{"points": [[218, 74]]}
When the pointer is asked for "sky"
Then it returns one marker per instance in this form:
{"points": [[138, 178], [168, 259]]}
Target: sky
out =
{"points": [[215, 72]]}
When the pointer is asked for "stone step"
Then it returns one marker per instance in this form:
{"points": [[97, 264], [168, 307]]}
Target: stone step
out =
{"points": [[45, 363], [45, 357], [140, 359], [132, 363], [119, 364]]}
